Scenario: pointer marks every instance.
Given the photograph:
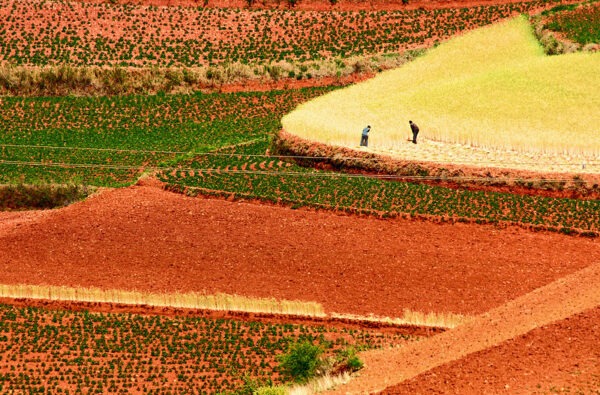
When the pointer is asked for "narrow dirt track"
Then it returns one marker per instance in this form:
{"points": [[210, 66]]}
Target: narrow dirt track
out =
{"points": [[143, 238], [386, 370]]}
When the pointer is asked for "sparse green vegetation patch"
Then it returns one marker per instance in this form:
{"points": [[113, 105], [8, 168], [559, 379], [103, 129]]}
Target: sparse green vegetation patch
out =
{"points": [[40, 32], [579, 23], [70, 352]]}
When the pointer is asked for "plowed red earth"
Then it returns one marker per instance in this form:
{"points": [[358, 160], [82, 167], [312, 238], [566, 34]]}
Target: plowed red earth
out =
{"points": [[560, 357], [143, 238], [536, 293], [547, 338]]}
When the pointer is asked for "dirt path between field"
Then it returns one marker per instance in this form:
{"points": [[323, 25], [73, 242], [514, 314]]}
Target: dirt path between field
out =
{"points": [[563, 298], [144, 238]]}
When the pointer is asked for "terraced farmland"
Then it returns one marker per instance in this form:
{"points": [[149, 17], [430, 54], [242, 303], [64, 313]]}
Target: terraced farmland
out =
{"points": [[111, 141], [200, 142], [254, 219]]}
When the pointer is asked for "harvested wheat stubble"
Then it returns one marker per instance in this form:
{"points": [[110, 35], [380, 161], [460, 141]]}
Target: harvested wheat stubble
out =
{"points": [[121, 239]]}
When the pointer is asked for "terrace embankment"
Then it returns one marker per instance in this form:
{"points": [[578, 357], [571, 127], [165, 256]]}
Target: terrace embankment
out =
{"points": [[146, 239], [562, 356], [456, 165]]}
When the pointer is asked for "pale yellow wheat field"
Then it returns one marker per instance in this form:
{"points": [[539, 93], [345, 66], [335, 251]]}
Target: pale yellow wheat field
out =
{"points": [[492, 88]]}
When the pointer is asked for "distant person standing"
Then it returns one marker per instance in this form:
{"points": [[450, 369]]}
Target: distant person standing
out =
{"points": [[415, 131], [364, 140]]}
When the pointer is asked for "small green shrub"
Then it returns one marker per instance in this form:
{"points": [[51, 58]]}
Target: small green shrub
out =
{"points": [[279, 390], [25, 197], [347, 361], [301, 362]]}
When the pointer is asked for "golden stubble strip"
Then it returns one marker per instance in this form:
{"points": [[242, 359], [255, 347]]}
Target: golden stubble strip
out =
{"points": [[189, 300], [219, 302]]}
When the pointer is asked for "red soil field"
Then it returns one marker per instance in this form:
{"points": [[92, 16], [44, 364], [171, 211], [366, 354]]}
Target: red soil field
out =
{"points": [[547, 338], [317, 5], [144, 238], [560, 357]]}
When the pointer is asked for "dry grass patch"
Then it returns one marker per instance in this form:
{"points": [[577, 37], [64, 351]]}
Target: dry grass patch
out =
{"points": [[218, 302], [190, 300], [414, 318], [319, 384]]}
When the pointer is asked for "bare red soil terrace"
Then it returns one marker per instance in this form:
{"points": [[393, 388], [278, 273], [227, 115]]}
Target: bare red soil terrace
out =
{"points": [[144, 238], [547, 337]]}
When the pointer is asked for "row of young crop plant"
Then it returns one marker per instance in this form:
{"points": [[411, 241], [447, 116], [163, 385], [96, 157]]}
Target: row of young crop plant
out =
{"points": [[41, 32], [111, 141], [118, 138], [59, 351], [579, 23], [248, 176]]}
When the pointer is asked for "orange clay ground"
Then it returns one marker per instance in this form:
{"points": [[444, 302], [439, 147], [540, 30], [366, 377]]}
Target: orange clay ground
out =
{"points": [[534, 293]]}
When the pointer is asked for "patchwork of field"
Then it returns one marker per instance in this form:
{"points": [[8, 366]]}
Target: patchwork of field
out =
{"points": [[122, 238], [198, 194], [129, 235], [198, 143]]}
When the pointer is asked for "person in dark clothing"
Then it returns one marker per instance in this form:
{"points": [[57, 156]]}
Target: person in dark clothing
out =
{"points": [[415, 131], [364, 140]]}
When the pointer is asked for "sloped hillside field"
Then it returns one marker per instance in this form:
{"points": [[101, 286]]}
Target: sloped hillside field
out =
{"points": [[61, 32], [344, 262], [441, 277], [361, 265], [492, 88]]}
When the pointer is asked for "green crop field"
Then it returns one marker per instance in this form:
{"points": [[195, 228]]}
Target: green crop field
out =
{"points": [[580, 23], [38, 32], [218, 144], [81, 352], [111, 141]]}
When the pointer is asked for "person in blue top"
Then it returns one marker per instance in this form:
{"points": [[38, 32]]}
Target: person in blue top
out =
{"points": [[364, 141]]}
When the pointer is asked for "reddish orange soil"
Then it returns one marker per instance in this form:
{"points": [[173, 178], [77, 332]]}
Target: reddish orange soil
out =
{"points": [[317, 5], [536, 293], [553, 326], [564, 356], [144, 238]]}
